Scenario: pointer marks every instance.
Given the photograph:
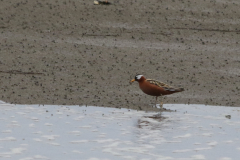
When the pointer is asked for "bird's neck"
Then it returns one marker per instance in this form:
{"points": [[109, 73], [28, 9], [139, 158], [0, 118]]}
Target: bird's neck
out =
{"points": [[142, 79]]}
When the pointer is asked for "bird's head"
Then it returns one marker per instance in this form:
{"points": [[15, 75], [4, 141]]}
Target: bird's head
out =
{"points": [[137, 78]]}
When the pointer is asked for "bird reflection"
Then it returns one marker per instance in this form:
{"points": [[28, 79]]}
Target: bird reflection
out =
{"points": [[152, 122]]}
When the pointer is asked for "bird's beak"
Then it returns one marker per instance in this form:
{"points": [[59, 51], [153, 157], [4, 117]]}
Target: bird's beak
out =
{"points": [[133, 80]]}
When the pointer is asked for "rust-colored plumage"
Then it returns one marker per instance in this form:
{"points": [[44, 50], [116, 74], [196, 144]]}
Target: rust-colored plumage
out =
{"points": [[155, 88]]}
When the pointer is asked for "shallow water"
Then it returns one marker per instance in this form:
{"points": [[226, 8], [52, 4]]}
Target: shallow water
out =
{"points": [[77, 132]]}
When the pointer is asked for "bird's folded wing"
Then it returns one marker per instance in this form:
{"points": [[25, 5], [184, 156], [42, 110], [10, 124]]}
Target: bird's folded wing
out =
{"points": [[161, 84]]}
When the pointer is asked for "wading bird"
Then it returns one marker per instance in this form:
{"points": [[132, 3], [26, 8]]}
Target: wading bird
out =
{"points": [[155, 88]]}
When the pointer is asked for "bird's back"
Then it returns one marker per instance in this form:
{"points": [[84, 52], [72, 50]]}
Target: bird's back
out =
{"points": [[169, 89]]}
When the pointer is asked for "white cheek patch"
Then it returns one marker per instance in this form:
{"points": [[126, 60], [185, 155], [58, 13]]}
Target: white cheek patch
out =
{"points": [[139, 76]]}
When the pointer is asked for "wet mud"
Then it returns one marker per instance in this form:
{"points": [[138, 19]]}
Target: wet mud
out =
{"points": [[77, 53]]}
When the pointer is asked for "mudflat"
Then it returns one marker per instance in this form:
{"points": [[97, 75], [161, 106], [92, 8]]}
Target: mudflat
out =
{"points": [[77, 53]]}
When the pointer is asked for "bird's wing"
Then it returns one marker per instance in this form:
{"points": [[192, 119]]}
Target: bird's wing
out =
{"points": [[161, 84]]}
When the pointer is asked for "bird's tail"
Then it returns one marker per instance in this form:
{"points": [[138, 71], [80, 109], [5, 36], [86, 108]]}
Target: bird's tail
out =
{"points": [[180, 89]]}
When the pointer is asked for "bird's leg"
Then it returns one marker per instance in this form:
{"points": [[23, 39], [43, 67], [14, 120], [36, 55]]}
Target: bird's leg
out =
{"points": [[161, 105], [156, 102]]}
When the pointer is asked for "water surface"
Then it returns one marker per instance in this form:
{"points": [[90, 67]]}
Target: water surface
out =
{"points": [[30, 132]]}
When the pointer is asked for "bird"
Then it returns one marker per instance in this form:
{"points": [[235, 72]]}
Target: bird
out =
{"points": [[155, 88]]}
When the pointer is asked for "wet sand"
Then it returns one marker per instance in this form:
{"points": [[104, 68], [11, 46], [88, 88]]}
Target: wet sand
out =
{"points": [[77, 53]]}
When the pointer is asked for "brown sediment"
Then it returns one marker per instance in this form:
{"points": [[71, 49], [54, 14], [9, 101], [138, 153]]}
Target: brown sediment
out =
{"points": [[78, 53]]}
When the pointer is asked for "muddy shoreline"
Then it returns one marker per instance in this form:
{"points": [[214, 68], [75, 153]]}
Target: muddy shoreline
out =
{"points": [[77, 53]]}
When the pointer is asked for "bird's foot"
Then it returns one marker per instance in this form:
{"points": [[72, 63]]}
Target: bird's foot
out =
{"points": [[161, 105]]}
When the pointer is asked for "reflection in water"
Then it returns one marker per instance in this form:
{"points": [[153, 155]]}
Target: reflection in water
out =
{"points": [[150, 128], [152, 121]]}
